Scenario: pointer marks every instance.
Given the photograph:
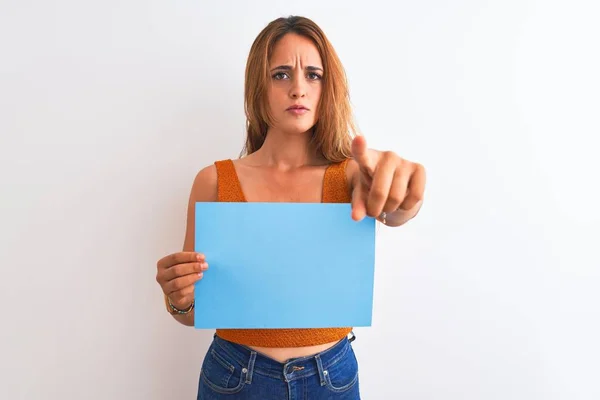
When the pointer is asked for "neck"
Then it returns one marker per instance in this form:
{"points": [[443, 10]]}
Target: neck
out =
{"points": [[286, 150]]}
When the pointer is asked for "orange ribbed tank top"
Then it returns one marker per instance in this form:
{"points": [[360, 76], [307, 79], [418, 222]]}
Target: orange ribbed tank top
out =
{"points": [[335, 190]]}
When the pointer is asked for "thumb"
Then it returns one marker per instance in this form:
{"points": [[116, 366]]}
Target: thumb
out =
{"points": [[359, 202]]}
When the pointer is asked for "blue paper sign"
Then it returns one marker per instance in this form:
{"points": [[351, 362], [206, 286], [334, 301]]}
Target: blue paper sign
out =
{"points": [[283, 265]]}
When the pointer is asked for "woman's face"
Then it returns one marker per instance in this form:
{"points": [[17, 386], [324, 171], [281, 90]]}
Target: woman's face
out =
{"points": [[295, 86]]}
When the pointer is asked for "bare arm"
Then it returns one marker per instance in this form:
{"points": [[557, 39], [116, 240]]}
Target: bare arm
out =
{"points": [[204, 188]]}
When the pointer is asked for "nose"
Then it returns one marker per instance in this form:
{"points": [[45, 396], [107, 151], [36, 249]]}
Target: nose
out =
{"points": [[297, 90]]}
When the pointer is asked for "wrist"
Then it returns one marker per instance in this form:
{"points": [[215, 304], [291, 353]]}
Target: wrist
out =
{"points": [[176, 308]]}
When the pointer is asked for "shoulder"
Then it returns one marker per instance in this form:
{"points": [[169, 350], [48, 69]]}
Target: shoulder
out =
{"points": [[204, 187], [342, 172]]}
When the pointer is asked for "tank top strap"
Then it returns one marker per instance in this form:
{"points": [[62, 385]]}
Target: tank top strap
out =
{"points": [[229, 188], [335, 184]]}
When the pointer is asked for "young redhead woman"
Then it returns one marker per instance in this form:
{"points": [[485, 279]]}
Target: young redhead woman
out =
{"points": [[301, 146]]}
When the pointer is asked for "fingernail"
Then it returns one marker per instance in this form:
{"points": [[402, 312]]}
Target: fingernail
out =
{"points": [[204, 266], [200, 274], [200, 257]]}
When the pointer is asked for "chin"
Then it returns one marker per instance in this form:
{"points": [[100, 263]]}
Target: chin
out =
{"points": [[297, 129]]}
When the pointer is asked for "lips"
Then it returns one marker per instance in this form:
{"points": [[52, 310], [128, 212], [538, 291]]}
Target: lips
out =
{"points": [[297, 107]]}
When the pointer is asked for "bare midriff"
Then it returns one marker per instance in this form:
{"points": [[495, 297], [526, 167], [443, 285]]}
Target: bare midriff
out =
{"points": [[282, 354]]}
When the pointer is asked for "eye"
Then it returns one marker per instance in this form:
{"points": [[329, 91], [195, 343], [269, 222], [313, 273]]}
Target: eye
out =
{"points": [[279, 75], [314, 76]]}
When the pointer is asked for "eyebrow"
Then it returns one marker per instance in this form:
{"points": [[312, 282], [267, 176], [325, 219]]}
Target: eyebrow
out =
{"points": [[289, 68]]}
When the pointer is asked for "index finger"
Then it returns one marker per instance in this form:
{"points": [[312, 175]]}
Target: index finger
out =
{"points": [[361, 154], [180, 258]]}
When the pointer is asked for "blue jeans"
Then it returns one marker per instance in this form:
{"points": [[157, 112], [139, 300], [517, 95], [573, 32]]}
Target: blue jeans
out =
{"points": [[232, 371]]}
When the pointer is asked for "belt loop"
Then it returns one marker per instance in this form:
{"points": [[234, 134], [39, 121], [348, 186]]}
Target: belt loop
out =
{"points": [[352, 337], [250, 367], [320, 369]]}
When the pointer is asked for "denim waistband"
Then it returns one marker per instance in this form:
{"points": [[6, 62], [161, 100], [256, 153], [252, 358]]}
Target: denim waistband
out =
{"points": [[296, 368]]}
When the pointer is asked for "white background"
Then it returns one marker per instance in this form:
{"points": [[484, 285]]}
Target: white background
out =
{"points": [[108, 109]]}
